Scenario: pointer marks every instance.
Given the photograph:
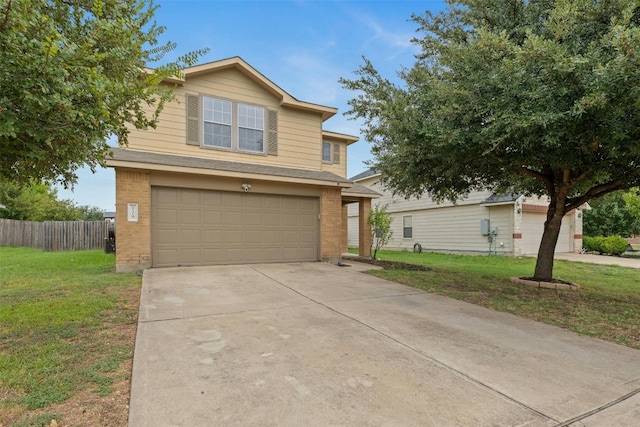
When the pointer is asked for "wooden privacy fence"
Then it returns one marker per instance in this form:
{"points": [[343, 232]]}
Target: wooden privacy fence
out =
{"points": [[54, 235]]}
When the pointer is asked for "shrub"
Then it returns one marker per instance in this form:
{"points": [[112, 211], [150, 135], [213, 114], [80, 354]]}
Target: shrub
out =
{"points": [[614, 245], [592, 244], [611, 245], [380, 221]]}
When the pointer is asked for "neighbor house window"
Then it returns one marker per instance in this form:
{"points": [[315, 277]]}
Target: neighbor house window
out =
{"points": [[232, 125], [407, 227]]}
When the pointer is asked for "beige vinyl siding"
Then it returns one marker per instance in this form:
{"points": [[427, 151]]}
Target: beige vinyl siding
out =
{"points": [[299, 131], [204, 182]]}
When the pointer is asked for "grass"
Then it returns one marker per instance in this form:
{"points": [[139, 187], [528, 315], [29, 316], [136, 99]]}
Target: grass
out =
{"points": [[607, 306], [67, 321], [65, 329]]}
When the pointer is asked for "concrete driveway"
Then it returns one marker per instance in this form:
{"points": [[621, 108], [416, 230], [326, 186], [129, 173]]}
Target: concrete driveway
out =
{"points": [[313, 344]]}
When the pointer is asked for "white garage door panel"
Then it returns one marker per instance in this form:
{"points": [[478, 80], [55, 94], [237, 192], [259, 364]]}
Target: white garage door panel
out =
{"points": [[200, 227], [532, 228]]}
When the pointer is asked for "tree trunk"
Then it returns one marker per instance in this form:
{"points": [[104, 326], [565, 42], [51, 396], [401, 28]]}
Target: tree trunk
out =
{"points": [[544, 263]]}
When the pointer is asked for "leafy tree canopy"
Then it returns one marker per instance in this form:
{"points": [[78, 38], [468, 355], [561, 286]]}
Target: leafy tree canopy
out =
{"points": [[72, 74], [539, 97], [39, 202], [613, 214]]}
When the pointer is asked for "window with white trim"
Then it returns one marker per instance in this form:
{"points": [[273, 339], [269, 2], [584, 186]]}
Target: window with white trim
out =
{"points": [[233, 125], [217, 122], [407, 227], [250, 128]]}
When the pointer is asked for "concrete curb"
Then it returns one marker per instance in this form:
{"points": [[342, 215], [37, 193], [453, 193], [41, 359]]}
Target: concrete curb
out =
{"points": [[546, 285]]}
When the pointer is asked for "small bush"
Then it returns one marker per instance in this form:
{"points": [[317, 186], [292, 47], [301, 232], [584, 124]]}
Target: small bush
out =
{"points": [[611, 245], [614, 245], [592, 244]]}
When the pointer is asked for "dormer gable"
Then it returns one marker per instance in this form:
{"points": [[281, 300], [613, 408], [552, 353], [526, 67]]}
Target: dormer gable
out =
{"points": [[239, 64]]}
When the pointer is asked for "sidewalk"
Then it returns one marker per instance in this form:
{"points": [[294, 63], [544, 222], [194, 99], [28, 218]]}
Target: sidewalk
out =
{"points": [[599, 259]]}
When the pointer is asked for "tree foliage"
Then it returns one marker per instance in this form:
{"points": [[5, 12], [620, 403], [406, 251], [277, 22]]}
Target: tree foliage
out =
{"points": [[540, 97], [39, 202], [379, 221], [613, 214], [72, 74]]}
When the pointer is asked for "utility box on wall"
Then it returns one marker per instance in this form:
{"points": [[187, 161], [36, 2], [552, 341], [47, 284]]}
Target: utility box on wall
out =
{"points": [[485, 227]]}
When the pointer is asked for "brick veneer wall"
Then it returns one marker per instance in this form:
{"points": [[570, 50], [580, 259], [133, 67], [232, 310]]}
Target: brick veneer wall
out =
{"points": [[133, 239], [331, 224], [364, 229]]}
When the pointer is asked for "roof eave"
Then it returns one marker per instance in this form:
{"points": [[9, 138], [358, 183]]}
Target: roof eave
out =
{"points": [[343, 137], [223, 173]]}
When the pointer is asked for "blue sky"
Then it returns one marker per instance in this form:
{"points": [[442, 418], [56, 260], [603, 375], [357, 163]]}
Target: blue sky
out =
{"points": [[304, 46]]}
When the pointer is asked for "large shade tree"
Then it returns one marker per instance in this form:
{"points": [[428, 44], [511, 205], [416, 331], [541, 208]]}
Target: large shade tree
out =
{"points": [[72, 75], [533, 97]]}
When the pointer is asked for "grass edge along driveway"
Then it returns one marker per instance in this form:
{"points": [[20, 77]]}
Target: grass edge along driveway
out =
{"points": [[67, 328], [68, 321], [607, 306]]}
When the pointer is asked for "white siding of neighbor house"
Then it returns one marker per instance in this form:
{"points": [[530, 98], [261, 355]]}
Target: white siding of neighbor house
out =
{"points": [[400, 204], [449, 227]]}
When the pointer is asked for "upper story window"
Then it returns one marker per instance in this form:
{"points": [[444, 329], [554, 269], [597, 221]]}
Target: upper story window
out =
{"points": [[217, 122], [330, 153], [230, 125], [326, 152], [250, 128]]}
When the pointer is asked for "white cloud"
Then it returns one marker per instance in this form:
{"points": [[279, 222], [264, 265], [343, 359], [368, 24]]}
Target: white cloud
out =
{"points": [[311, 79]]}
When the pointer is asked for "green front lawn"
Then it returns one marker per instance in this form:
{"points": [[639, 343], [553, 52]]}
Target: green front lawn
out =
{"points": [[607, 306], [67, 323]]}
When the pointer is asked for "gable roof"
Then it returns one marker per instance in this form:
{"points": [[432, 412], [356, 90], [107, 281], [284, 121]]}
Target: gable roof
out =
{"points": [[366, 174], [241, 65]]}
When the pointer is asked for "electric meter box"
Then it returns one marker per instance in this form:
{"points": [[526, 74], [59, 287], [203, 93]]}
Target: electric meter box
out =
{"points": [[485, 227]]}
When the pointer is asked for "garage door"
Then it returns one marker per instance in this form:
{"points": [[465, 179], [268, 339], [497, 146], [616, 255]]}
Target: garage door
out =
{"points": [[532, 228], [201, 227]]}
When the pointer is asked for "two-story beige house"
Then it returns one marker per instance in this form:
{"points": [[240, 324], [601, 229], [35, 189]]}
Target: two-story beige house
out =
{"points": [[237, 171]]}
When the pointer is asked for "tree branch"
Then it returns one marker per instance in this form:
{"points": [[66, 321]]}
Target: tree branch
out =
{"points": [[5, 21], [592, 193]]}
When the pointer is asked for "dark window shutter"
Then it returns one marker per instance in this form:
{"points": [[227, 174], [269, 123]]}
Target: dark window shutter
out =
{"points": [[336, 154], [272, 132], [193, 119]]}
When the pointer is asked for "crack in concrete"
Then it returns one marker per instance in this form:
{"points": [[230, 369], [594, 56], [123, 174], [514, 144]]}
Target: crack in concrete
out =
{"points": [[419, 352], [598, 409]]}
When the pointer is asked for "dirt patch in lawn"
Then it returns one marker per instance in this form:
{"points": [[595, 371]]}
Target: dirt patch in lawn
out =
{"points": [[389, 265], [88, 408]]}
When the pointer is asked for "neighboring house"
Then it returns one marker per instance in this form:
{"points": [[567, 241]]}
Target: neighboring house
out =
{"points": [[109, 216], [237, 171], [481, 223]]}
